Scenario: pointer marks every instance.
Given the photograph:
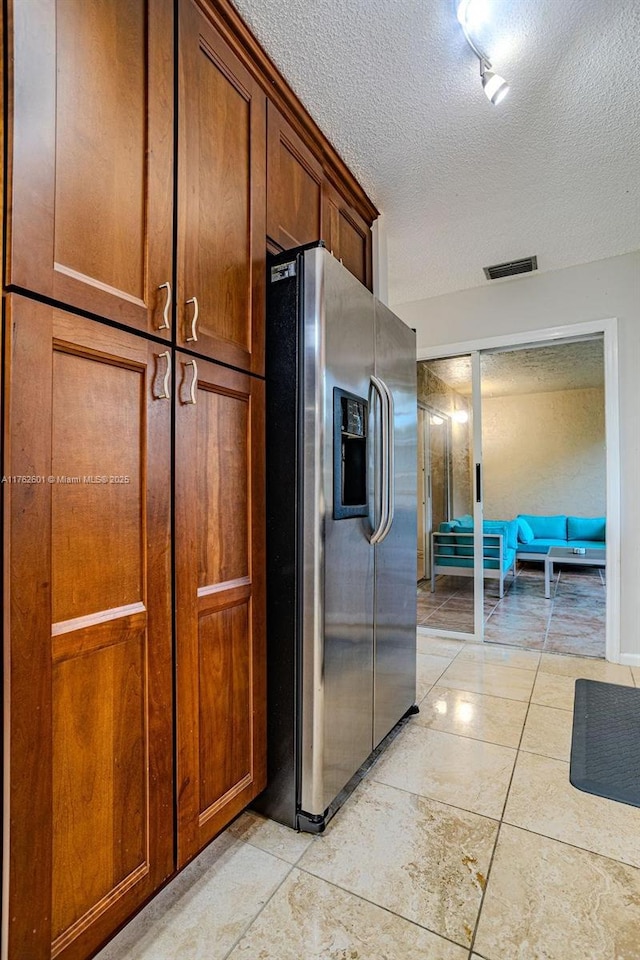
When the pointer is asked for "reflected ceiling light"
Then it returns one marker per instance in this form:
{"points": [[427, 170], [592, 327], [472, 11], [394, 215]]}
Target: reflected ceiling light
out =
{"points": [[436, 420], [469, 15], [460, 416], [464, 712]]}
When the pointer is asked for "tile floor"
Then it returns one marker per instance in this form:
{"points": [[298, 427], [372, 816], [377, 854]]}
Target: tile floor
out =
{"points": [[465, 841], [572, 621]]}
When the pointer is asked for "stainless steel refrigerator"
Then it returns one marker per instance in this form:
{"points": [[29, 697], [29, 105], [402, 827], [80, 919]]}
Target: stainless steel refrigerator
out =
{"points": [[341, 532]]}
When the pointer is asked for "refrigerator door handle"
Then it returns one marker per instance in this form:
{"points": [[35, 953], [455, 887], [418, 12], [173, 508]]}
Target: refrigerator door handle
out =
{"points": [[391, 507], [383, 395]]}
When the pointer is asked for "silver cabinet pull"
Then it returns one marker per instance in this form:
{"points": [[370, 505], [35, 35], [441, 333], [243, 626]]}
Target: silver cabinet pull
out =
{"points": [[165, 393], [194, 320], [165, 325], [194, 381]]}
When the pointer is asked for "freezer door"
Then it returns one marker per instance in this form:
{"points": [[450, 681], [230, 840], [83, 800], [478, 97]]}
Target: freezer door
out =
{"points": [[337, 670], [395, 556]]}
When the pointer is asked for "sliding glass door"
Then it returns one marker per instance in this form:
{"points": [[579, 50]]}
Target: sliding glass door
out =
{"points": [[449, 461]]}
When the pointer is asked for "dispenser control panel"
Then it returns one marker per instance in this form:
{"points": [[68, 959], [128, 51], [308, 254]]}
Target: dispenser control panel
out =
{"points": [[350, 489]]}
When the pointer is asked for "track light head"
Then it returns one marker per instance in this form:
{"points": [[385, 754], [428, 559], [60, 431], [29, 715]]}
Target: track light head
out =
{"points": [[495, 87]]}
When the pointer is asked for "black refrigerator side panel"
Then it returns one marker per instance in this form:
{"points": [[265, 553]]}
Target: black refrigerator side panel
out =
{"points": [[279, 799]]}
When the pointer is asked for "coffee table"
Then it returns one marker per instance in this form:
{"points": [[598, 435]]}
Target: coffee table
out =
{"points": [[590, 558]]}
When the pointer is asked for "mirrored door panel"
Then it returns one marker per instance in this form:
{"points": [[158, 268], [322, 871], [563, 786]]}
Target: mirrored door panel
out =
{"points": [[446, 599]]}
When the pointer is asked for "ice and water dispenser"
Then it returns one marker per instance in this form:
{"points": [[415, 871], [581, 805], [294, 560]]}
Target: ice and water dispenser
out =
{"points": [[350, 418]]}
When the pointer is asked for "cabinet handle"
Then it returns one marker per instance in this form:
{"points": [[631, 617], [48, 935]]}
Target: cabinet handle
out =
{"points": [[194, 320], [166, 392], [165, 325], [194, 381]]}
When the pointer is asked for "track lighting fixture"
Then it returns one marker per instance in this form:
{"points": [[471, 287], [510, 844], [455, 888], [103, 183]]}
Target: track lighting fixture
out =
{"points": [[495, 87]]}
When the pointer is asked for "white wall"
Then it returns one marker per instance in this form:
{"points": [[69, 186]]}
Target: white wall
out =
{"points": [[544, 453], [590, 291]]}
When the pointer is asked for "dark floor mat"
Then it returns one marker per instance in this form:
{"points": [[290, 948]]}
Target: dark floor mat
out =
{"points": [[605, 744]]}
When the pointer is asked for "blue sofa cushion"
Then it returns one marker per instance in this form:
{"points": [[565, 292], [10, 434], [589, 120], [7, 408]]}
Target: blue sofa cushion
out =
{"points": [[507, 560], [588, 544], [586, 528], [553, 528], [446, 546], [491, 545], [541, 545], [464, 544], [525, 533]]}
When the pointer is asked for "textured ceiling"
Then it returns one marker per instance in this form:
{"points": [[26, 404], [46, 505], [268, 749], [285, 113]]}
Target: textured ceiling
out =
{"points": [[559, 366], [551, 171]]}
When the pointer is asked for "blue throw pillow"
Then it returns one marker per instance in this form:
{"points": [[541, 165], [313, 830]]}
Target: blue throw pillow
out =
{"points": [[525, 533]]}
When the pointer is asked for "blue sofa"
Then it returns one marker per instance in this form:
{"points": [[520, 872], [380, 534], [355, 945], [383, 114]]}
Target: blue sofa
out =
{"points": [[527, 537], [452, 549], [536, 534]]}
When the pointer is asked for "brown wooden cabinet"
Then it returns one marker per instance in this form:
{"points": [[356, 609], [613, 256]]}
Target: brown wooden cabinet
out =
{"points": [[303, 205], [220, 598], [221, 198], [89, 666], [294, 177], [90, 174], [92, 230], [347, 235]]}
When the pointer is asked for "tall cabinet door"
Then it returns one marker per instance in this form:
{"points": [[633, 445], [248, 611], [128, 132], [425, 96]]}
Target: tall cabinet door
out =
{"points": [[91, 155], [219, 523], [221, 198], [88, 662]]}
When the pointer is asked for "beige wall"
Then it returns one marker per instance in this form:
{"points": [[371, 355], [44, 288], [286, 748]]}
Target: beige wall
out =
{"points": [[590, 291], [544, 453]]}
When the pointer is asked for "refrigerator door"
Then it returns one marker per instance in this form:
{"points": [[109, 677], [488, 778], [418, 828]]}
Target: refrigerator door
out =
{"points": [[395, 555], [337, 591]]}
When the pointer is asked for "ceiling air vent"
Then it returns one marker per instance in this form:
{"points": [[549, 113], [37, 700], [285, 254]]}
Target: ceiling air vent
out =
{"points": [[511, 269]]}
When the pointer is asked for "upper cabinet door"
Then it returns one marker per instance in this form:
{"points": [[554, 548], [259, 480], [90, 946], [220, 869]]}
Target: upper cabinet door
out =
{"points": [[347, 235], [294, 186], [91, 156], [221, 198]]}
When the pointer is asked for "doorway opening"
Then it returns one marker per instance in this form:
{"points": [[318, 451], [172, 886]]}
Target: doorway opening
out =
{"points": [[536, 449]]}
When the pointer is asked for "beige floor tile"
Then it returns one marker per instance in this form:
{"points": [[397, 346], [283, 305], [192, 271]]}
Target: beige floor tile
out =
{"points": [[503, 656], [420, 859], [548, 732], [467, 773], [489, 678], [582, 667], [438, 646], [473, 715], [431, 668], [270, 836], [203, 912], [635, 673], [310, 919], [543, 800], [549, 901], [551, 690]]}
